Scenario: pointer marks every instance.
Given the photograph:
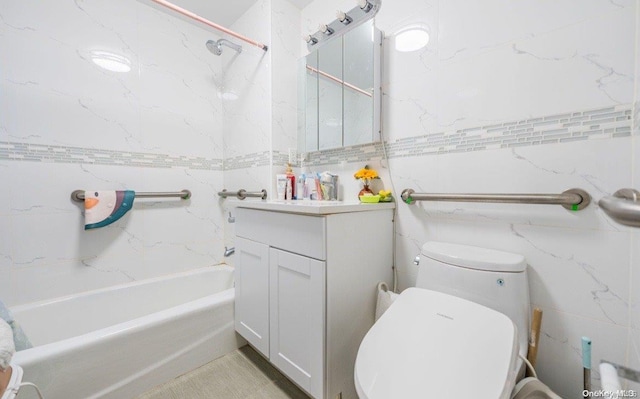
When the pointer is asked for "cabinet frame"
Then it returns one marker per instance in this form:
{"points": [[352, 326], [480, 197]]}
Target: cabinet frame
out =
{"points": [[355, 249], [252, 293], [306, 317]]}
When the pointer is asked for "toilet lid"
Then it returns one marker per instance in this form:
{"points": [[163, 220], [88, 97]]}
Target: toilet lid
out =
{"points": [[434, 345]]}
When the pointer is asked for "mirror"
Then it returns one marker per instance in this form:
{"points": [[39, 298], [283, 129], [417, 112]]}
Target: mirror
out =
{"points": [[339, 91], [330, 95]]}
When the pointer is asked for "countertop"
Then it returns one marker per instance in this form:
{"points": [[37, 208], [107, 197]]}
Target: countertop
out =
{"points": [[310, 207]]}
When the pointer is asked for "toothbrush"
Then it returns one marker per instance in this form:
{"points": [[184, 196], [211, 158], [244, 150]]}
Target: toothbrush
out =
{"points": [[586, 365], [318, 187]]}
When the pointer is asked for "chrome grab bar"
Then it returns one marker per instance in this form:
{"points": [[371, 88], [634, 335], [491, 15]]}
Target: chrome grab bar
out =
{"points": [[574, 199], [242, 194], [78, 195], [623, 206], [624, 372]]}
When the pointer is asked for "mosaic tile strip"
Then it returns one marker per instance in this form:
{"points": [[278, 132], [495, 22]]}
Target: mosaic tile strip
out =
{"points": [[280, 158], [636, 118], [603, 123], [357, 153], [16, 151], [264, 158], [248, 160]]}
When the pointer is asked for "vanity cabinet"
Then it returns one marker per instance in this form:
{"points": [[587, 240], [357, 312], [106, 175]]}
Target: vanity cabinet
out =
{"points": [[306, 287], [252, 293], [297, 317]]}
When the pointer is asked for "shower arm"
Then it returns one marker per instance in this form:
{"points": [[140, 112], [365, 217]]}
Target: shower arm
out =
{"points": [[205, 21], [230, 44]]}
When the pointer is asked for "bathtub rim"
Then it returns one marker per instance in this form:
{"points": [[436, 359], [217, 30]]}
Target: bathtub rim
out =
{"points": [[48, 350], [50, 301]]}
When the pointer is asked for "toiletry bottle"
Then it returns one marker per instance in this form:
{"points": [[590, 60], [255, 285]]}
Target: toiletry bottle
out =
{"points": [[281, 186], [291, 177], [300, 187], [288, 194], [310, 187]]}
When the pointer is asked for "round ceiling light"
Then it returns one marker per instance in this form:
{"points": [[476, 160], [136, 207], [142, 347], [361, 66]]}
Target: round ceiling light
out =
{"points": [[110, 61], [411, 38]]}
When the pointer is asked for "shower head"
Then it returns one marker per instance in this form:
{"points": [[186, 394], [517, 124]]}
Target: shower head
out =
{"points": [[216, 46]]}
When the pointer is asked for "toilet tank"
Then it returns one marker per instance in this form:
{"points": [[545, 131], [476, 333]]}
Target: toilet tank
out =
{"points": [[492, 278]]}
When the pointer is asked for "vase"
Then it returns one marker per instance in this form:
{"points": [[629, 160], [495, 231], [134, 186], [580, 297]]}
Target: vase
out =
{"points": [[365, 190]]}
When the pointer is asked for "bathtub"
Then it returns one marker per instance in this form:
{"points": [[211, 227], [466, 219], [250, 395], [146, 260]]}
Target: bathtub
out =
{"points": [[121, 341]]}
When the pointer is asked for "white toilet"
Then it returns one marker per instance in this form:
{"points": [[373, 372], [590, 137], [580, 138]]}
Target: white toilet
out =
{"points": [[457, 335], [10, 386]]}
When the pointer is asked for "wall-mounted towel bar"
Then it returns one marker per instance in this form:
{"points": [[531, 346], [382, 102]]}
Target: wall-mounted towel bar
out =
{"points": [[78, 195], [242, 194], [575, 199], [623, 206]]}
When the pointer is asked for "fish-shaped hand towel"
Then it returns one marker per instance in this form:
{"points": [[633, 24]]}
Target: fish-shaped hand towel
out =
{"points": [[101, 208]]}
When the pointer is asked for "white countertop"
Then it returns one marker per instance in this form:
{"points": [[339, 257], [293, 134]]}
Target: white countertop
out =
{"points": [[310, 207]]}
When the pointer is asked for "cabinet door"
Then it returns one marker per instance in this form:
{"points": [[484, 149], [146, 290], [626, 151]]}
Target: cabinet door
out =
{"points": [[252, 293], [297, 308]]}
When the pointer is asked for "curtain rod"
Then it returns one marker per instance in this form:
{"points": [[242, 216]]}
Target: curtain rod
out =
{"points": [[198, 18], [338, 80]]}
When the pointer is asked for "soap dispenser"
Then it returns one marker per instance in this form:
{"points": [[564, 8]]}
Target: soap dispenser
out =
{"points": [[291, 181]]}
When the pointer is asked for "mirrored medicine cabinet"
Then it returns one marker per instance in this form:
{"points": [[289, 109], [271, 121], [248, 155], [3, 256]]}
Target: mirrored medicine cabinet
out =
{"points": [[339, 96]]}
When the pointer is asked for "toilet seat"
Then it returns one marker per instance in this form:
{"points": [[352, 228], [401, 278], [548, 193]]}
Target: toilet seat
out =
{"points": [[431, 344], [14, 381]]}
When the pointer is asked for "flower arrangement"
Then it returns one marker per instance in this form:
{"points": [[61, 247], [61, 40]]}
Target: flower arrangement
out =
{"points": [[366, 175]]}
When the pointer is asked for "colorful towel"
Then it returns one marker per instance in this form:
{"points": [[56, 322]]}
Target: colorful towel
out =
{"points": [[101, 208]]}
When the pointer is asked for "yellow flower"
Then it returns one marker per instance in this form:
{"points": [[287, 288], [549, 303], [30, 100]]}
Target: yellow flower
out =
{"points": [[366, 173]]}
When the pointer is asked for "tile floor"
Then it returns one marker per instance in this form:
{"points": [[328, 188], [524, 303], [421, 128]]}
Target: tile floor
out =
{"points": [[238, 375]]}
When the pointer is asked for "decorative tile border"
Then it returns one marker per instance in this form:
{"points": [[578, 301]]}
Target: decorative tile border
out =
{"points": [[264, 158], [636, 118], [280, 158], [15, 151], [356, 153], [603, 123], [248, 160]]}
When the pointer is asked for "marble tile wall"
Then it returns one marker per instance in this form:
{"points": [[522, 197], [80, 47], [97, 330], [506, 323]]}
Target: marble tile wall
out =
{"points": [[248, 111], [634, 284], [66, 124], [528, 97], [285, 33], [452, 118], [247, 83]]}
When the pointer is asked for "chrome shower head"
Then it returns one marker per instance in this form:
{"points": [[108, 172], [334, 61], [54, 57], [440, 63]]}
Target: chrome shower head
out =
{"points": [[216, 46]]}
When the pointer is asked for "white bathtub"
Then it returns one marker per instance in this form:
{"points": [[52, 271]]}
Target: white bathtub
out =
{"points": [[121, 341]]}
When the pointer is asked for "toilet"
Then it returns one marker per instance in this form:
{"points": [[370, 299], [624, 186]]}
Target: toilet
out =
{"points": [[458, 334], [10, 382]]}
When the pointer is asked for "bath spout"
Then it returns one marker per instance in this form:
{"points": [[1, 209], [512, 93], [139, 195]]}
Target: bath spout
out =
{"points": [[229, 251]]}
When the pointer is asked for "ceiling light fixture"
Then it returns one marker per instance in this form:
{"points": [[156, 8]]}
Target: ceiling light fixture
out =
{"points": [[411, 38], [110, 61]]}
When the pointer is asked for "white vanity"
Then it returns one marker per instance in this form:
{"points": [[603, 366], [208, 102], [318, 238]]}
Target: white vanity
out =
{"points": [[306, 276]]}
